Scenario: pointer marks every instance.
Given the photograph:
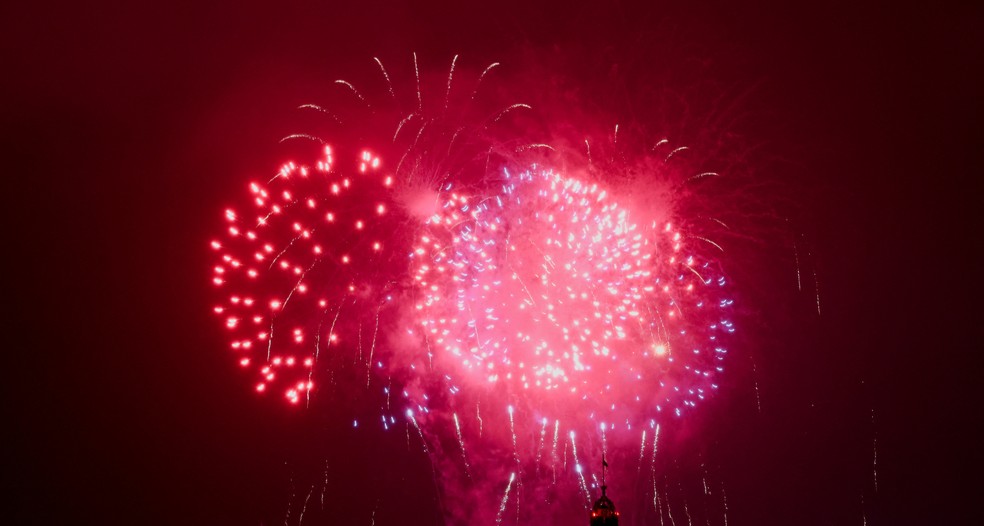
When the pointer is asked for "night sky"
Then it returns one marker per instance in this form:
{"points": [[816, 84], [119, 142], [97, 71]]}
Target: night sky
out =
{"points": [[128, 127]]}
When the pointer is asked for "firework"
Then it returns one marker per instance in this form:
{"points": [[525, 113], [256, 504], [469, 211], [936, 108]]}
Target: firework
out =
{"points": [[496, 295], [310, 267], [548, 290], [549, 300], [313, 248]]}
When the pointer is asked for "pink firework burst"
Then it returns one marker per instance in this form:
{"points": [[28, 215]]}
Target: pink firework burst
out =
{"points": [[550, 290], [565, 318]]}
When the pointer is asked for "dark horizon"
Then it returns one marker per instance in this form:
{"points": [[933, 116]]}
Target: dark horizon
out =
{"points": [[131, 127]]}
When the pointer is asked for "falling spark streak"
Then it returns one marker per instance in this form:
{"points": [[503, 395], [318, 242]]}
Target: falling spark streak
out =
{"points": [[874, 462], [505, 498], [331, 333], [302, 136], [512, 432], [686, 509], [718, 221], [674, 152], [270, 343], [692, 269], [416, 426], [724, 496], [707, 492], [669, 507], [536, 146], [657, 505], [516, 276], [874, 453], [358, 358], [758, 395], [324, 486], [453, 137], [539, 448], [799, 279], [702, 176], [708, 241], [402, 123], [584, 485], [389, 390], [553, 450], [349, 85], [579, 470], [447, 94], [510, 108], [642, 451], [652, 465], [816, 285], [290, 501], [321, 110], [703, 478], [574, 450], [416, 140], [461, 442], [372, 348], [482, 77], [816, 281], [389, 84], [300, 518], [519, 496], [416, 73], [478, 415]]}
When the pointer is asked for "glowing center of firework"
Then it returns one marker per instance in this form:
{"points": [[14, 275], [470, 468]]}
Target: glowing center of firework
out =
{"points": [[551, 285]]}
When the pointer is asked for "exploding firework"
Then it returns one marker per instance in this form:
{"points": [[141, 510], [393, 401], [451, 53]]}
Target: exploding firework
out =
{"points": [[550, 287], [308, 267], [521, 312], [314, 246], [553, 305]]}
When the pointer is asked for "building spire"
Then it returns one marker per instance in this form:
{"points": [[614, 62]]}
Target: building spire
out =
{"points": [[603, 513], [604, 471]]}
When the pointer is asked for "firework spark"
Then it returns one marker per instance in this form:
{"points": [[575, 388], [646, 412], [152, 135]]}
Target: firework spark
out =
{"points": [[505, 498]]}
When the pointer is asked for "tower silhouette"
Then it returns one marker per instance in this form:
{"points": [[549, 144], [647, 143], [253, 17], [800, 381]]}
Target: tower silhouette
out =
{"points": [[603, 512]]}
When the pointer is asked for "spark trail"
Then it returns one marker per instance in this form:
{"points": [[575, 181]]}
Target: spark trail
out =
{"points": [[505, 498]]}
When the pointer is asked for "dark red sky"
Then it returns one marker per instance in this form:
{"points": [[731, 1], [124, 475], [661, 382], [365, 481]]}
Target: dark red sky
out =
{"points": [[126, 127]]}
